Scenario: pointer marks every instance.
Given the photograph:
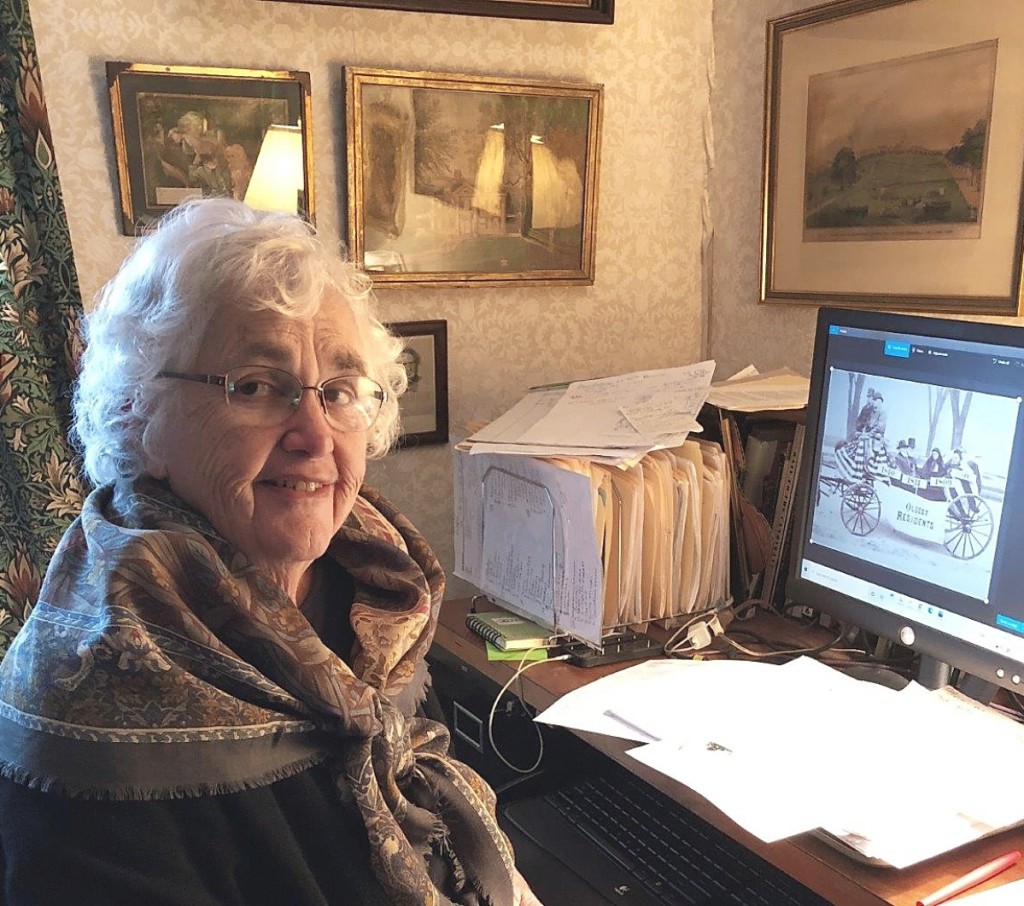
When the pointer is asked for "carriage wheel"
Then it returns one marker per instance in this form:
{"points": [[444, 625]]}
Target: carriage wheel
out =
{"points": [[968, 526], [860, 509]]}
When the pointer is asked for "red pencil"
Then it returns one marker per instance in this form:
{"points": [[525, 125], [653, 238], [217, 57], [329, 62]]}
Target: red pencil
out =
{"points": [[971, 879]]}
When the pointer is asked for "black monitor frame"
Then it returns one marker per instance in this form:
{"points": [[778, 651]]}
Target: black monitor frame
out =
{"points": [[931, 634]]}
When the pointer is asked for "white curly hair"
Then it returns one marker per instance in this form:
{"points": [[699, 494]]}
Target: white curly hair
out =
{"points": [[152, 315]]}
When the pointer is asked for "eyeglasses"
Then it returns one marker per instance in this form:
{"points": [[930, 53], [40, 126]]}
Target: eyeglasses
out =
{"points": [[270, 395]]}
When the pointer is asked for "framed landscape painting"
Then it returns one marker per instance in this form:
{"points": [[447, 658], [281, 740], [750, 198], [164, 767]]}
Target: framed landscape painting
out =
{"points": [[461, 180], [182, 132], [894, 156]]}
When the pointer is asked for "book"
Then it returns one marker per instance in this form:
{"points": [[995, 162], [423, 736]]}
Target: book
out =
{"points": [[530, 654], [763, 443], [508, 632]]}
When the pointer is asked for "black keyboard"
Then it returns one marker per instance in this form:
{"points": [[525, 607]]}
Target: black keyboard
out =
{"points": [[639, 847]]}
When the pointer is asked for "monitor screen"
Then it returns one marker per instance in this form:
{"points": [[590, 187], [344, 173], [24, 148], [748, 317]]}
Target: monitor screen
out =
{"points": [[909, 510]]}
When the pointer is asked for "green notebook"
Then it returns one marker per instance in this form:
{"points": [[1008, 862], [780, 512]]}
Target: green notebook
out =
{"points": [[509, 632], [530, 654]]}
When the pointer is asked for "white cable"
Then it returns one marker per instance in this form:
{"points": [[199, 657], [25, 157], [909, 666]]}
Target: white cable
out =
{"points": [[682, 640], [523, 667]]}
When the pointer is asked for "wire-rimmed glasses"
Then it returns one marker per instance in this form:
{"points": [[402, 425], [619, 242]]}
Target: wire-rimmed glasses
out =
{"points": [[270, 395]]}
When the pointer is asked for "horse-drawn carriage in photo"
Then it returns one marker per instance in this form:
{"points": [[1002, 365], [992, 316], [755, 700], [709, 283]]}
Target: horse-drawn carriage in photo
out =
{"points": [[946, 508]]}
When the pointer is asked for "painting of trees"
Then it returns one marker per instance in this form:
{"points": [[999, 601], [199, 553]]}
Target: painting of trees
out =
{"points": [[844, 171], [970, 152]]}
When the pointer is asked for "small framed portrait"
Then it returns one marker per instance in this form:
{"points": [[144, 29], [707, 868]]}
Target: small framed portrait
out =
{"points": [[424, 405], [182, 132], [466, 180]]}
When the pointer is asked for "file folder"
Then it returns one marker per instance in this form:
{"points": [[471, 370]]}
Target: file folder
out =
{"points": [[587, 549]]}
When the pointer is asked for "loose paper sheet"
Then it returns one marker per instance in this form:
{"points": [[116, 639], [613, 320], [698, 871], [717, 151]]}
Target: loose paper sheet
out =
{"points": [[923, 772], [642, 407], [771, 391], [613, 420]]}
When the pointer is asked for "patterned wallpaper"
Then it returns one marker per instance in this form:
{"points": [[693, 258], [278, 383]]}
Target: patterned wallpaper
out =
{"points": [[741, 330], [645, 309]]}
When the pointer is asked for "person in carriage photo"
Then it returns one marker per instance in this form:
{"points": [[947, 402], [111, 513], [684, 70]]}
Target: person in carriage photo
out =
{"points": [[966, 475], [934, 466], [864, 455], [872, 415], [904, 459]]}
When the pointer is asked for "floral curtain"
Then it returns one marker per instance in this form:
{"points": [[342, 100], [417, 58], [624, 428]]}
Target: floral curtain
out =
{"points": [[40, 487]]}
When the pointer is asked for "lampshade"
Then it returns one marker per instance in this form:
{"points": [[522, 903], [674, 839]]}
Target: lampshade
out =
{"points": [[277, 179]]}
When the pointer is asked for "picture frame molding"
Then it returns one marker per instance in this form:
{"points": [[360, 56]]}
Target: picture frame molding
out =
{"points": [[598, 12], [357, 78], [124, 83], [437, 331], [938, 275]]}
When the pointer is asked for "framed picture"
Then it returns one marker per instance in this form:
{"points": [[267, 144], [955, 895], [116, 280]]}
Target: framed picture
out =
{"points": [[459, 180], [894, 156], [424, 405], [183, 131], [597, 11]]}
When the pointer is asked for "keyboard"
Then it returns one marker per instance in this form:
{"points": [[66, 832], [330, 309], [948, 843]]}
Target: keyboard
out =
{"points": [[636, 847]]}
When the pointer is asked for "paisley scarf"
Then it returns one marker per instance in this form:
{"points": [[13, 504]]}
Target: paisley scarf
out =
{"points": [[160, 663]]}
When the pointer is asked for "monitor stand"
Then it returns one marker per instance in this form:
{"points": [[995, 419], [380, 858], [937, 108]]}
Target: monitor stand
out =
{"points": [[934, 674]]}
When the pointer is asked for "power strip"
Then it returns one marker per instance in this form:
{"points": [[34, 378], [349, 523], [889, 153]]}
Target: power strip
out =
{"points": [[613, 651]]}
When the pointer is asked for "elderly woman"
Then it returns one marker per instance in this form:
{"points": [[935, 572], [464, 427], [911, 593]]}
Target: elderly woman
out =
{"points": [[215, 699]]}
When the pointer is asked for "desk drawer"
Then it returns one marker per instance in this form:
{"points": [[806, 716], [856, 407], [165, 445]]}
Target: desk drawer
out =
{"points": [[466, 697]]}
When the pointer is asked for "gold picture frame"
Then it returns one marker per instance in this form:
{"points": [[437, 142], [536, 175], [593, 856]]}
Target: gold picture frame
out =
{"points": [[186, 131], [601, 12], [894, 156], [462, 180]]}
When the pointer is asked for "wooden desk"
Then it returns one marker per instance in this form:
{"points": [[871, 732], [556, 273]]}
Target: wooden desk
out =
{"points": [[839, 879]]}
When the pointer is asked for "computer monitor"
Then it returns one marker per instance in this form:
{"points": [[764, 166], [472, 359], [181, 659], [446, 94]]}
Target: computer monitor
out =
{"points": [[909, 508]]}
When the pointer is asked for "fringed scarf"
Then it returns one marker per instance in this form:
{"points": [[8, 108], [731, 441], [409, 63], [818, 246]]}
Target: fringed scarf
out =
{"points": [[160, 663]]}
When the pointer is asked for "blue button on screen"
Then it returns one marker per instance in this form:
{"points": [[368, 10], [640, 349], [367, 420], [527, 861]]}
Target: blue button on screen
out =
{"points": [[1009, 623], [898, 348]]}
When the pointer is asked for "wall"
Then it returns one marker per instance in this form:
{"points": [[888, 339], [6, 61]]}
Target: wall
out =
{"points": [[645, 308], [740, 330]]}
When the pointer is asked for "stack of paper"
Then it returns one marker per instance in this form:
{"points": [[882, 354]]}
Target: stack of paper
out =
{"points": [[613, 420], [914, 773], [629, 524], [750, 391]]}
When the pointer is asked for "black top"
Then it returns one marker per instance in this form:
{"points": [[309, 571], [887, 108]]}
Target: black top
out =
{"points": [[287, 844], [291, 843]]}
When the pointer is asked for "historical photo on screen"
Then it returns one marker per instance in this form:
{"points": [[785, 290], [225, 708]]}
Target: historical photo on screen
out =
{"points": [[912, 477]]}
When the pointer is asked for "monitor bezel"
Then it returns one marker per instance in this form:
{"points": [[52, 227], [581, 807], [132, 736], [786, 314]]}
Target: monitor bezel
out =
{"points": [[944, 648]]}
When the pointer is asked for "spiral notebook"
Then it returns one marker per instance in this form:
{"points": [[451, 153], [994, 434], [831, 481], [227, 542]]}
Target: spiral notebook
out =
{"points": [[509, 632]]}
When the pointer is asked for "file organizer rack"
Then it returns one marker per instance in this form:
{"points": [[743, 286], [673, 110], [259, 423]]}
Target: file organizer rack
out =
{"points": [[541, 609], [540, 591]]}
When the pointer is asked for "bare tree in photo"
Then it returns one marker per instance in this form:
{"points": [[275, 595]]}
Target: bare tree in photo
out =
{"points": [[936, 400], [960, 408], [853, 406]]}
